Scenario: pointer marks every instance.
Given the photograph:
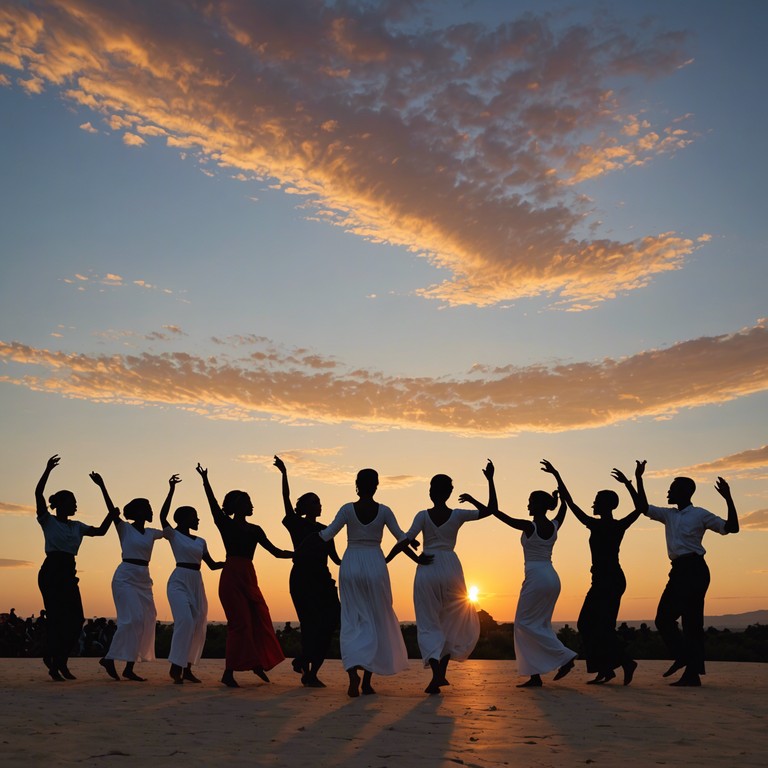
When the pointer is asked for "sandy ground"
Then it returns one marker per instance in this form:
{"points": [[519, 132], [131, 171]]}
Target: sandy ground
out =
{"points": [[481, 720]]}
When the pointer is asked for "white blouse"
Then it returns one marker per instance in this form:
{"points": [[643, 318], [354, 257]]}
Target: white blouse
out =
{"points": [[135, 545], [359, 534], [186, 549]]}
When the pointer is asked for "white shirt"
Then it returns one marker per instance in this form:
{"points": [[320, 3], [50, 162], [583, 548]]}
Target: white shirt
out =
{"points": [[186, 549], [62, 535], [685, 528], [439, 538], [136, 545], [360, 534]]}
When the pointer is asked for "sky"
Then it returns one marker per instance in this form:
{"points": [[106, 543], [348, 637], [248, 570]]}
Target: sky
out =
{"points": [[403, 235]]}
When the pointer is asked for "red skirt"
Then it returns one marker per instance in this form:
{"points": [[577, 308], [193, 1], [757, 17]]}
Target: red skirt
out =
{"points": [[251, 639]]}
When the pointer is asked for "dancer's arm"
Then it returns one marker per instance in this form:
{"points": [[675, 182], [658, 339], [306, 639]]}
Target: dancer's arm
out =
{"points": [[216, 512], [332, 553], [404, 546], [172, 483], [289, 510], [565, 495], [113, 513], [640, 502], [560, 516], [732, 523], [40, 505], [261, 538], [214, 565]]}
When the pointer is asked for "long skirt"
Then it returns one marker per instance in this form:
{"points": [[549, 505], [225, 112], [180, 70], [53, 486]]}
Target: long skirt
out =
{"points": [[370, 632], [316, 600], [536, 646], [604, 650], [189, 607], [446, 620], [58, 584], [251, 639], [134, 639]]}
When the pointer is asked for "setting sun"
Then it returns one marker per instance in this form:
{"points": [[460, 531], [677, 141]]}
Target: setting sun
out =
{"points": [[473, 593]]}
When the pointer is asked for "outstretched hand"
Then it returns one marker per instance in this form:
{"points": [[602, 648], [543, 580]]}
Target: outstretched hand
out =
{"points": [[640, 467], [96, 477], [618, 475], [466, 498], [174, 480], [52, 462], [202, 471], [280, 464], [722, 487], [489, 470], [547, 467]]}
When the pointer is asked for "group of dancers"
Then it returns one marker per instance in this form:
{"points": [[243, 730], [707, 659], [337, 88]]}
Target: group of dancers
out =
{"points": [[371, 641]]}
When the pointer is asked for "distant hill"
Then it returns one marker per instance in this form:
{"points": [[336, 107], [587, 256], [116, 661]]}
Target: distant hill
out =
{"points": [[726, 621]]}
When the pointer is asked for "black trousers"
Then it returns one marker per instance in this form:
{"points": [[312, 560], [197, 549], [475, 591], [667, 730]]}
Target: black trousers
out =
{"points": [[683, 598], [58, 584], [602, 647], [317, 607]]}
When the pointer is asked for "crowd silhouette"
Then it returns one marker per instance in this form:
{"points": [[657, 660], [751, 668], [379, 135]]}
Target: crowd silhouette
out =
{"points": [[370, 638]]}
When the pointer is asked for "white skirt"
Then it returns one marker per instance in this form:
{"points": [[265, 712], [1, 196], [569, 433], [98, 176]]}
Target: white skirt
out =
{"points": [[136, 614], [536, 646], [189, 607], [446, 620], [370, 632]]}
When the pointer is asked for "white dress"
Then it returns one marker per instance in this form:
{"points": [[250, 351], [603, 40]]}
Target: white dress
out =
{"points": [[536, 646], [370, 632], [132, 592], [186, 595], [446, 620]]}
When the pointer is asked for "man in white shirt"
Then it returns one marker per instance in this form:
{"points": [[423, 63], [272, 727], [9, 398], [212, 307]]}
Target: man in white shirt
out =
{"points": [[683, 597]]}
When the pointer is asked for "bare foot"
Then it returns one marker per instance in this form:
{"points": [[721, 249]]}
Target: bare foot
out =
{"points": [[354, 684], [533, 682], [175, 673], [673, 668], [228, 678], [189, 677], [564, 670], [687, 681], [109, 666], [629, 671]]}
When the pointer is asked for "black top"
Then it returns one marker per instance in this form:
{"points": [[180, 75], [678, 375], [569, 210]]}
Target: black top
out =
{"points": [[309, 557], [240, 539], [604, 542]]}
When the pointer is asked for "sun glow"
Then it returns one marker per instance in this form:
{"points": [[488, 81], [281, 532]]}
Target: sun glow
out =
{"points": [[473, 593]]}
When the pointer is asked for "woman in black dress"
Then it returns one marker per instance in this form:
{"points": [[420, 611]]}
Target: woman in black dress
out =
{"points": [[57, 579], [603, 649], [312, 587]]}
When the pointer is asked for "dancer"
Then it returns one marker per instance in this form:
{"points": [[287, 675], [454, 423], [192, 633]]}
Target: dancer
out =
{"points": [[683, 597], [134, 639], [186, 593], [312, 588], [604, 650], [251, 640], [58, 576], [446, 621], [536, 646], [371, 639]]}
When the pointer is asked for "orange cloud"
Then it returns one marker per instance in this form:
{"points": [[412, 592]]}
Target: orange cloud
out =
{"points": [[744, 461], [7, 508], [463, 144], [299, 385], [755, 521], [6, 563]]}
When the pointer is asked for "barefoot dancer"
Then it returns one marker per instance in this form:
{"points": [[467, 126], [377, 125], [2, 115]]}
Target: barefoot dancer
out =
{"points": [[134, 639], [603, 648], [186, 593], [536, 646], [58, 577], [371, 639], [312, 587], [251, 640], [683, 597]]}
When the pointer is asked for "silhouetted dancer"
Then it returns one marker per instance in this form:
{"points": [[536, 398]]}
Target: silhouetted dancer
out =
{"points": [[683, 597], [186, 593], [134, 639], [57, 579], [537, 648], [446, 621], [251, 640], [371, 639], [312, 587], [604, 650]]}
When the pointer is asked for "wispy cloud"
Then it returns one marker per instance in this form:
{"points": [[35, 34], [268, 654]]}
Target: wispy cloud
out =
{"points": [[111, 280], [465, 144], [739, 463], [6, 563], [299, 385], [755, 521], [6, 508]]}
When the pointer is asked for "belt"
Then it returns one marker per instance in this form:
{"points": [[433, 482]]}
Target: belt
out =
{"points": [[190, 566], [688, 556], [134, 561]]}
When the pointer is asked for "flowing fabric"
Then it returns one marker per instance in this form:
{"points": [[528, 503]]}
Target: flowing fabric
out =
{"points": [[251, 639], [189, 607], [370, 632], [537, 648], [136, 614], [58, 584]]}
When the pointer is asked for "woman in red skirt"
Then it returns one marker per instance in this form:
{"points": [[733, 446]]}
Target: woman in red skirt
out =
{"points": [[251, 640]]}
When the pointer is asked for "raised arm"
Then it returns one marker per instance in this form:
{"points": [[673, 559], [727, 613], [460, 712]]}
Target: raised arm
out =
{"points": [[565, 495], [113, 512], [732, 523], [212, 503], [172, 483], [41, 506], [261, 537], [639, 500], [560, 516], [289, 510]]}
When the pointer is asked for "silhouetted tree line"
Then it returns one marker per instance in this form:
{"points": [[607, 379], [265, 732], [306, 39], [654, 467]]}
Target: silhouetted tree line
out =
{"points": [[23, 637]]}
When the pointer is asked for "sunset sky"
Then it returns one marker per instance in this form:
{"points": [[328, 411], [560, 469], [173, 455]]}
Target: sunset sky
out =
{"points": [[404, 235]]}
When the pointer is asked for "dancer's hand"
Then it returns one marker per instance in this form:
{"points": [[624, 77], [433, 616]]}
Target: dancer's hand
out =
{"points": [[547, 467], [174, 480], [53, 462], [640, 468], [489, 470], [722, 487], [423, 559], [280, 464], [618, 475], [96, 477], [466, 498]]}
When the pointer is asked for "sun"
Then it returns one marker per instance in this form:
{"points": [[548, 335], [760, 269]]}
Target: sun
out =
{"points": [[473, 593]]}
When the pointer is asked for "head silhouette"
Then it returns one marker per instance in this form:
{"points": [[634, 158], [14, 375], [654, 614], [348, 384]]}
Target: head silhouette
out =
{"points": [[680, 491], [605, 502], [440, 489], [237, 504], [64, 503], [541, 502], [186, 517], [367, 482], [308, 505], [137, 510]]}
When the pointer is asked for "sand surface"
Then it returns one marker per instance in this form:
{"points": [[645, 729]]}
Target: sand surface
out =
{"points": [[481, 720]]}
